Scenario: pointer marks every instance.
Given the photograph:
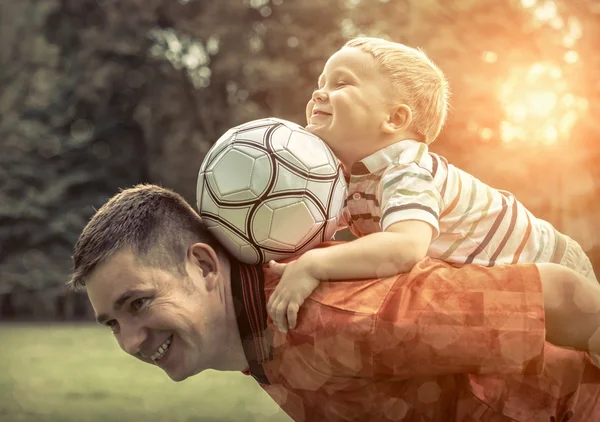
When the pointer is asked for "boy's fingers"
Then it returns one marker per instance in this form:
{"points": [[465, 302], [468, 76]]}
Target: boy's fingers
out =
{"points": [[292, 313], [274, 301], [276, 267], [280, 315]]}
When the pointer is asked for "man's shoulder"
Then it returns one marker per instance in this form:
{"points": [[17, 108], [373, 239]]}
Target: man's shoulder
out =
{"points": [[364, 297]]}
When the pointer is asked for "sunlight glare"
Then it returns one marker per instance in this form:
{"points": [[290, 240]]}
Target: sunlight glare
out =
{"points": [[490, 57], [528, 3], [538, 106], [546, 11], [571, 56]]}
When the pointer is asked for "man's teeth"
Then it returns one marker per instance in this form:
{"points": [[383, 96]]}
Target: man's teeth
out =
{"points": [[160, 352]]}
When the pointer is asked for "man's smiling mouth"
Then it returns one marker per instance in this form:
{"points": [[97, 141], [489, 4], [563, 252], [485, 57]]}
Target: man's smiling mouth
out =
{"points": [[162, 350]]}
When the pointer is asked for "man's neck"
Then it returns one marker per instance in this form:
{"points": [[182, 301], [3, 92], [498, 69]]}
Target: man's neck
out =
{"points": [[234, 358]]}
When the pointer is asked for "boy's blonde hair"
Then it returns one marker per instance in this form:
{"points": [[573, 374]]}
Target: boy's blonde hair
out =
{"points": [[417, 81]]}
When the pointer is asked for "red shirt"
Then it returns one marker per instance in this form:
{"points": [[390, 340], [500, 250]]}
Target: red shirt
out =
{"points": [[436, 344]]}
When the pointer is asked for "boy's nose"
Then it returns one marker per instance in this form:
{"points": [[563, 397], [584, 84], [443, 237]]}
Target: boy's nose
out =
{"points": [[320, 95]]}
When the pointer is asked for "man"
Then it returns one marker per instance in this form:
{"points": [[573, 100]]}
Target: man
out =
{"points": [[436, 344]]}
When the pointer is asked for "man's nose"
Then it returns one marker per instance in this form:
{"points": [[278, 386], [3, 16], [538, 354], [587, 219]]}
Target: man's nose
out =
{"points": [[132, 337]]}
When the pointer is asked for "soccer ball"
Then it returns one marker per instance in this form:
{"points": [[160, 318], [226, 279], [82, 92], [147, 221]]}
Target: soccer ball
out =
{"points": [[268, 189]]}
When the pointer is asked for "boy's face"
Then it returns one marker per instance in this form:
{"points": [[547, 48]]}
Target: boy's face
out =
{"points": [[351, 104]]}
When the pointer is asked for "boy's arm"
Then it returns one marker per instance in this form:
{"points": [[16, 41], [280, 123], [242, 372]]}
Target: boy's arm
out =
{"points": [[376, 255]]}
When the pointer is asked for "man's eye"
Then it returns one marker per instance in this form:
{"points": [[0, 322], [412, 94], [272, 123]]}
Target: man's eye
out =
{"points": [[137, 304]]}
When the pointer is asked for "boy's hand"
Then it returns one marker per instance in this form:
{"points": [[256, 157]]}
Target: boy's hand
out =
{"points": [[296, 284]]}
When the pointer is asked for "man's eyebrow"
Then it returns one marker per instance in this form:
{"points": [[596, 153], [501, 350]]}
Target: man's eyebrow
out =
{"points": [[125, 296]]}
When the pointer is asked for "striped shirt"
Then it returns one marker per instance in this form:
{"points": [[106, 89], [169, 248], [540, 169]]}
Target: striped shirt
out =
{"points": [[472, 222]]}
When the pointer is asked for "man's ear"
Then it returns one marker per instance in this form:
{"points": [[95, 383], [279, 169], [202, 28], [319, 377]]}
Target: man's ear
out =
{"points": [[205, 259], [399, 119]]}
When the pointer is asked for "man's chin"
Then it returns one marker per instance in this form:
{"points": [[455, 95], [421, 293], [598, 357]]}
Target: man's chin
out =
{"points": [[177, 377]]}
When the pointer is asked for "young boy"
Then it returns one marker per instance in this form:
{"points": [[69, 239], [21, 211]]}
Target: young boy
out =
{"points": [[378, 105]]}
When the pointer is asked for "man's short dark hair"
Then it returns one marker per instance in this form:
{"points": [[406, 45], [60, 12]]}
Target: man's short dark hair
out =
{"points": [[155, 223]]}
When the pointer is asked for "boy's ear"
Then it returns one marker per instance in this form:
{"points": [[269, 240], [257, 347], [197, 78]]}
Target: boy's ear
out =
{"points": [[399, 119]]}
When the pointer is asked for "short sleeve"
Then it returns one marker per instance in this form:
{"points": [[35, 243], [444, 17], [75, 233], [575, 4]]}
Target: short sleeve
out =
{"points": [[408, 192], [440, 320], [344, 219]]}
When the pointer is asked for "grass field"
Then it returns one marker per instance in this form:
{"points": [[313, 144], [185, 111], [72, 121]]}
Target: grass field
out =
{"points": [[77, 373]]}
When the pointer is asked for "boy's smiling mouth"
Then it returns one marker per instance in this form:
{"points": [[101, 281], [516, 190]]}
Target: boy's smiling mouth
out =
{"points": [[320, 113]]}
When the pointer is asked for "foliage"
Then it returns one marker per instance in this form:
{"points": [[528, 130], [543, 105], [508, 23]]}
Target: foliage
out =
{"points": [[100, 95]]}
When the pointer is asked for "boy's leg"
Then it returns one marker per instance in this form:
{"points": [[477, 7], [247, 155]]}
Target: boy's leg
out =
{"points": [[572, 308], [576, 259]]}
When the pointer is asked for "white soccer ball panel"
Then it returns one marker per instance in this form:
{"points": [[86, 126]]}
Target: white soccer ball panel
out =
{"points": [[261, 223], [261, 176], [236, 176], [249, 255], [200, 190], [287, 123], [284, 220], [258, 125], [320, 189], [236, 216], [206, 203], [223, 142], [279, 138], [256, 134], [230, 173], [312, 152], [330, 228], [294, 221], [254, 151], [278, 246], [288, 157], [239, 247], [328, 169], [288, 181], [340, 193], [218, 147]]}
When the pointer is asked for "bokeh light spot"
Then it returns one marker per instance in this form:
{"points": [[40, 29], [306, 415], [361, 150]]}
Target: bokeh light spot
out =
{"points": [[571, 56], [82, 130], [265, 11], [490, 57], [429, 392], [538, 105], [395, 409]]}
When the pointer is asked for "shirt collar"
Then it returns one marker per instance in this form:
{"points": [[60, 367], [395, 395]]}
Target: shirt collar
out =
{"points": [[379, 160], [247, 290]]}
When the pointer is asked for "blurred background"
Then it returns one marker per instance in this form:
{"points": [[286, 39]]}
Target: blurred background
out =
{"points": [[98, 95]]}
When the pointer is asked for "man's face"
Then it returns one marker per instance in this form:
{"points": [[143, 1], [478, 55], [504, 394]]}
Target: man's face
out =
{"points": [[351, 103], [156, 315]]}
